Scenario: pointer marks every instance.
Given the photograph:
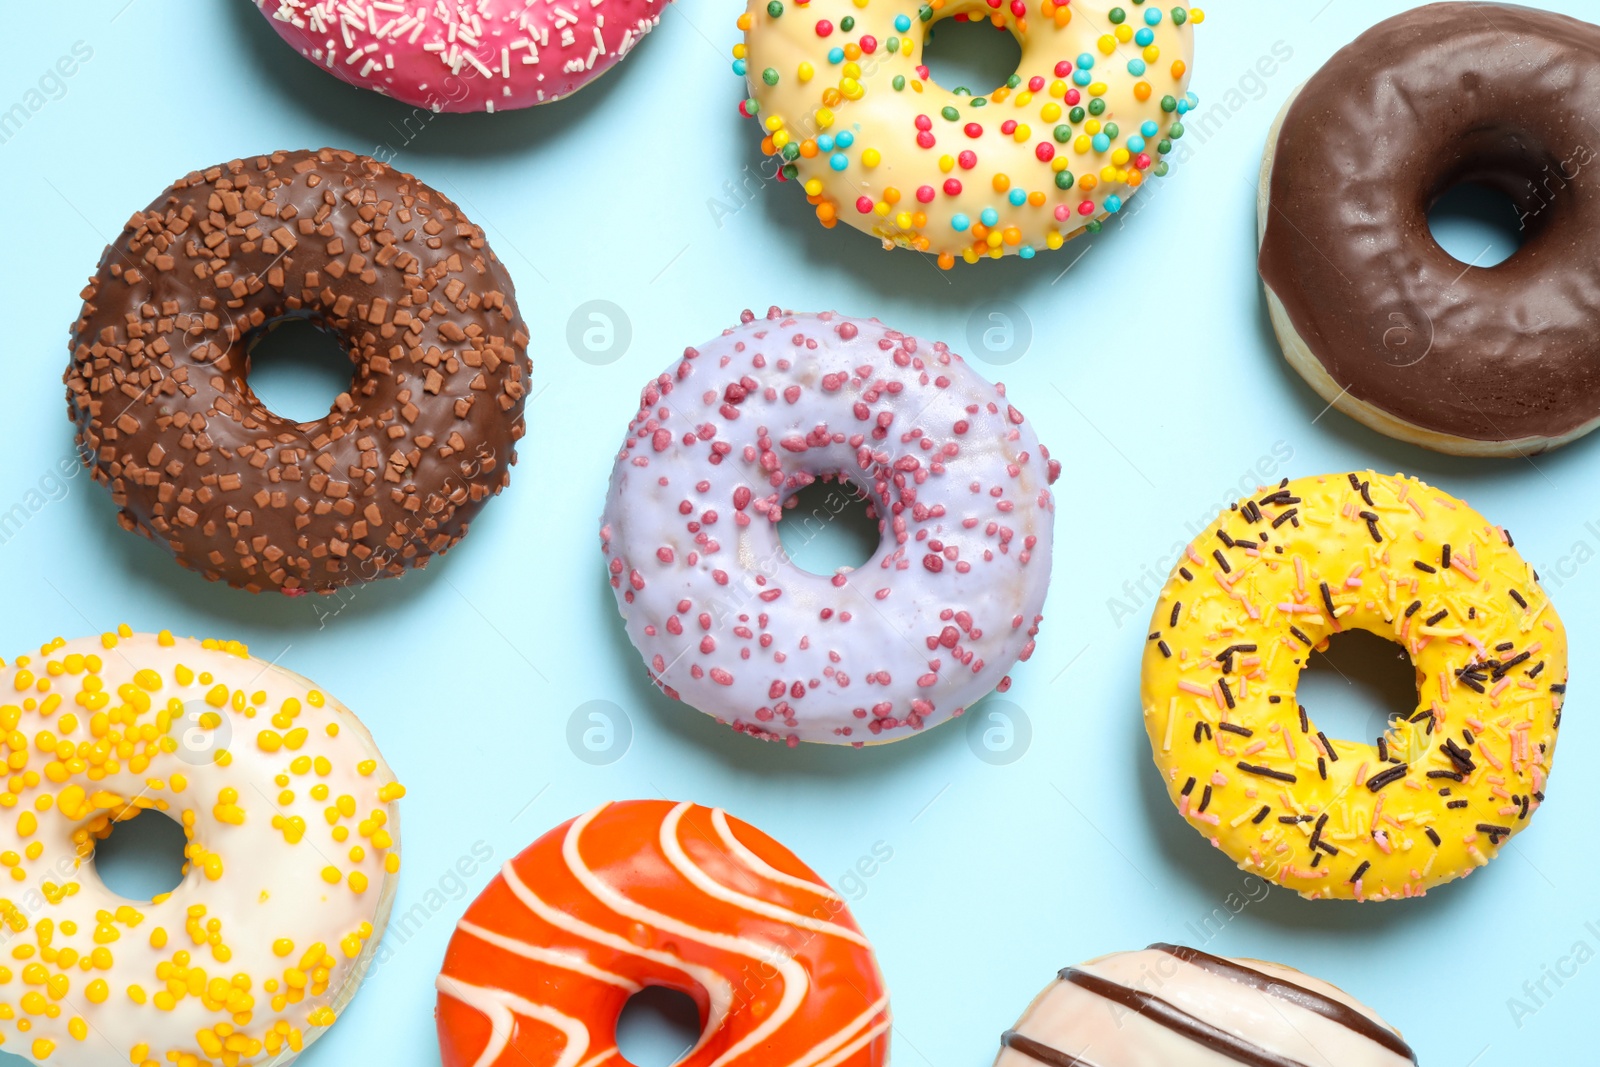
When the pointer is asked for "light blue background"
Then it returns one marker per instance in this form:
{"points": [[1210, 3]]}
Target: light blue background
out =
{"points": [[1151, 373]]}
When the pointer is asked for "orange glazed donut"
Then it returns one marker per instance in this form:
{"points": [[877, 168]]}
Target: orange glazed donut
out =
{"points": [[651, 893]]}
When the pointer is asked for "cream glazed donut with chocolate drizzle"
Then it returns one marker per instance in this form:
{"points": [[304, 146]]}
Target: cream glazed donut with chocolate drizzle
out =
{"points": [[725, 622], [1175, 1005], [465, 55]]}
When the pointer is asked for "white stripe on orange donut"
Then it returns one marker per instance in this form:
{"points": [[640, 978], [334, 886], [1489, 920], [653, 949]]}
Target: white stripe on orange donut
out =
{"points": [[704, 882], [543, 955], [719, 819], [501, 1007]]}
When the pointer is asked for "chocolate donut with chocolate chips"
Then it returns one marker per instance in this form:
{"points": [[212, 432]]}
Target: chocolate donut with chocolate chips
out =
{"points": [[425, 435], [1384, 323]]}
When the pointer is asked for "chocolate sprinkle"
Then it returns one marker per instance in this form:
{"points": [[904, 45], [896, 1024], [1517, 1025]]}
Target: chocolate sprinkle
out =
{"points": [[1266, 772], [1387, 776]]}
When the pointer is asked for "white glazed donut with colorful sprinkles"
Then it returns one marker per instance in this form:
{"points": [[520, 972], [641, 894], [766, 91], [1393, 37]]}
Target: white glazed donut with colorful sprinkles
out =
{"points": [[291, 863], [727, 623], [465, 55]]}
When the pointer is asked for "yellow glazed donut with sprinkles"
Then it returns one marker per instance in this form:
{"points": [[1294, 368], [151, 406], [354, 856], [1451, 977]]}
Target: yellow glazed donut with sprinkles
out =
{"points": [[292, 854], [845, 102], [1278, 575]]}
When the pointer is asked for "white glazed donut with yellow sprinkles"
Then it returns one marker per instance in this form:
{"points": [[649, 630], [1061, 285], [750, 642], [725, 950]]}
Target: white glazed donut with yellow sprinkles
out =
{"points": [[292, 854], [845, 102]]}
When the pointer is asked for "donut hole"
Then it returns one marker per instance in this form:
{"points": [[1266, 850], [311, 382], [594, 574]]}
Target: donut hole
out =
{"points": [[829, 526], [297, 369], [657, 1026], [970, 55], [1355, 689], [1479, 226], [142, 857]]}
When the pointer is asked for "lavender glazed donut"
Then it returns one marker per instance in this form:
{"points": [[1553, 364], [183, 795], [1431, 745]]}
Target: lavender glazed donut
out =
{"points": [[465, 55], [725, 622]]}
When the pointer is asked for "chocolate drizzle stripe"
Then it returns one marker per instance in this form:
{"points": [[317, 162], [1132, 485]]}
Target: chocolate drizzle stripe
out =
{"points": [[1034, 1050], [1291, 993], [1178, 1021]]}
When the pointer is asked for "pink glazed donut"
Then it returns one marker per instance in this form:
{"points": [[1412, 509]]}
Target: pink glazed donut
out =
{"points": [[727, 623], [465, 55]]}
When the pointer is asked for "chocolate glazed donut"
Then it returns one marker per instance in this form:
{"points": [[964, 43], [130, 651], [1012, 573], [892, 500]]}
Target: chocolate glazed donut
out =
{"points": [[1380, 320], [403, 460]]}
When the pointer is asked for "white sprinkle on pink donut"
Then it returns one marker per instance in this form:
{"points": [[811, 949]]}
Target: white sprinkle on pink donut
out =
{"points": [[465, 55], [930, 624]]}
